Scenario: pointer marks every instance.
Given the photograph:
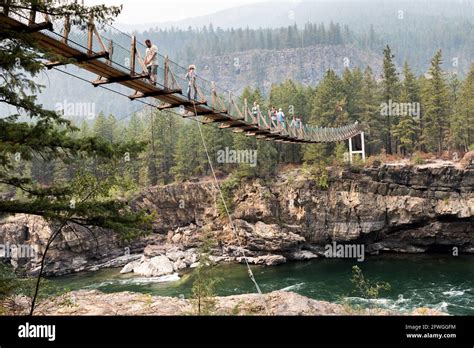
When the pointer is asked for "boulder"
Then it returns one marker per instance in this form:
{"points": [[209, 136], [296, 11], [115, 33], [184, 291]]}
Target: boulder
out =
{"points": [[301, 255], [271, 260], [267, 260], [190, 258], [128, 268], [154, 250], [194, 265], [179, 265], [155, 267], [267, 237], [176, 238], [175, 255]]}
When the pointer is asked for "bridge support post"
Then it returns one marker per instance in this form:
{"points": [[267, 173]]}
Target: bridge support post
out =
{"points": [[90, 35], [133, 51], [111, 52], [67, 29], [361, 151], [32, 19], [6, 7], [166, 72]]}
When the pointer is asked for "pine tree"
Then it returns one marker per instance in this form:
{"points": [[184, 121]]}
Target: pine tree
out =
{"points": [[189, 155], [462, 124], [216, 139], [42, 171], [205, 282], [352, 84], [371, 117], [406, 131], [436, 106], [102, 127], [135, 132], [454, 86], [390, 93], [328, 105]]}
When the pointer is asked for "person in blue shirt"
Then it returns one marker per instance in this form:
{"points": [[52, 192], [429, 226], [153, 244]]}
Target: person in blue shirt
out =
{"points": [[281, 117]]}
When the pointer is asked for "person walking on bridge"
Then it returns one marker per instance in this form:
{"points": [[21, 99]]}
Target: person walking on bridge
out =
{"points": [[255, 110], [294, 123], [273, 116], [151, 60], [191, 77], [281, 118]]}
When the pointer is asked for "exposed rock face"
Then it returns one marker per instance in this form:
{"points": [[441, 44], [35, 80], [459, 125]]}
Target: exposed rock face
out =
{"points": [[266, 67], [76, 248], [263, 237], [399, 208], [394, 208], [267, 260], [274, 303]]}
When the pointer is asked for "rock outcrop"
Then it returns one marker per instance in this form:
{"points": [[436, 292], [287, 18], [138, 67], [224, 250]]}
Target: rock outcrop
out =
{"points": [[266, 67], [159, 260], [93, 302], [75, 248]]}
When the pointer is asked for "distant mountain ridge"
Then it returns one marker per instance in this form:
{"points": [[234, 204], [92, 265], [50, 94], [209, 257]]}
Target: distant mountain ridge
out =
{"points": [[355, 13]]}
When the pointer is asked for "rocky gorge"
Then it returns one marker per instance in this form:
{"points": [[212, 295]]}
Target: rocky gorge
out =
{"points": [[388, 208]]}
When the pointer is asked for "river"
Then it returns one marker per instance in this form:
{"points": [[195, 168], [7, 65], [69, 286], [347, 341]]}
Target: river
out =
{"points": [[437, 281]]}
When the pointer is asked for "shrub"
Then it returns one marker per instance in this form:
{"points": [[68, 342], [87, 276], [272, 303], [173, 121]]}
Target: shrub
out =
{"points": [[203, 297], [228, 188], [417, 159], [12, 286], [319, 173], [367, 289]]}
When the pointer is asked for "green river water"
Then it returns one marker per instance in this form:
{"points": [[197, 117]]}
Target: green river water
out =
{"points": [[436, 281]]}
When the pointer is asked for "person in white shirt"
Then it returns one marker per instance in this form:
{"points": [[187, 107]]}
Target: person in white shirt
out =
{"points": [[191, 77], [294, 122], [273, 116], [255, 110], [151, 60]]}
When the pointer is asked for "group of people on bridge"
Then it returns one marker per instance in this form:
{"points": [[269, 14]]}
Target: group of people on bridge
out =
{"points": [[151, 62], [278, 118]]}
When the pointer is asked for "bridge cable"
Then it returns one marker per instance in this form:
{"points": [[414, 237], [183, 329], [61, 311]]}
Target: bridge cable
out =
{"points": [[250, 273], [231, 222]]}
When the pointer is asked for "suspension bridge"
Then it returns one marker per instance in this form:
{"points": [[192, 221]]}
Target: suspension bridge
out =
{"points": [[116, 59]]}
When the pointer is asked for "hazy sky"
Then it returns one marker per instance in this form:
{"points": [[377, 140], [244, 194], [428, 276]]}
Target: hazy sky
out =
{"points": [[146, 11]]}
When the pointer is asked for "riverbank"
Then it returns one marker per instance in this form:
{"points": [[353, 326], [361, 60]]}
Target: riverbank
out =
{"points": [[93, 302], [434, 281]]}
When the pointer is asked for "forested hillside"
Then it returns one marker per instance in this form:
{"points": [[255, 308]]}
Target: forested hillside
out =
{"points": [[402, 113]]}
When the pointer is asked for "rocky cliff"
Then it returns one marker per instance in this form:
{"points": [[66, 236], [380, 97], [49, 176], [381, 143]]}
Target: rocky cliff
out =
{"points": [[262, 68], [396, 208]]}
